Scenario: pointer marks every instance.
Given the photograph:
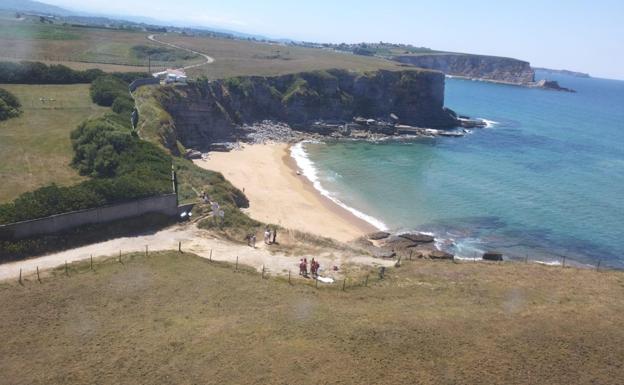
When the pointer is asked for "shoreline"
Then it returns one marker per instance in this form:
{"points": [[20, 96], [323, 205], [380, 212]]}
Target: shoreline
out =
{"points": [[267, 174]]}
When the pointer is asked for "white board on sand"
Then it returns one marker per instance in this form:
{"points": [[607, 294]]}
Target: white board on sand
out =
{"points": [[325, 279]]}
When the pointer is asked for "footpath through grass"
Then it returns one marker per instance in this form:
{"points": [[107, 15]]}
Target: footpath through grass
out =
{"points": [[35, 148], [177, 319]]}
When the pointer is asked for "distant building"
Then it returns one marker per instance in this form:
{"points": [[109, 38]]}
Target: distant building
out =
{"points": [[172, 76]]}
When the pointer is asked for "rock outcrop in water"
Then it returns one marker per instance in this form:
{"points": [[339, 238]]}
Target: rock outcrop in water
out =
{"points": [[491, 68], [211, 111]]}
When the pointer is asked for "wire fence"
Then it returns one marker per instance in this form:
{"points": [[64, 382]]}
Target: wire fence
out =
{"points": [[364, 278]]}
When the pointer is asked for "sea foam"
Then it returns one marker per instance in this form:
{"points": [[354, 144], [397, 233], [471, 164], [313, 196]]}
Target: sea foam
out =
{"points": [[298, 153]]}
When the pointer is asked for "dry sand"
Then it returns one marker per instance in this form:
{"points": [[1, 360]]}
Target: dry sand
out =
{"points": [[268, 175]]}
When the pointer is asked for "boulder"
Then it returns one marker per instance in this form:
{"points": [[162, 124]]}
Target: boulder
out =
{"points": [[418, 237], [192, 154], [378, 235], [439, 254], [493, 256], [398, 243]]}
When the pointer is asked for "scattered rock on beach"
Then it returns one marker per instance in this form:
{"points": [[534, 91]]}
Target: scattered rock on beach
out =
{"points": [[493, 256], [418, 237], [439, 254], [378, 235]]}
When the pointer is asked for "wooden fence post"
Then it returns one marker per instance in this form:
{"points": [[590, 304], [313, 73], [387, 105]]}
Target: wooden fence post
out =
{"points": [[262, 271], [344, 283], [598, 267], [20, 277], [210, 259], [366, 281], [146, 251], [564, 259], [38, 277], [180, 246], [411, 253], [120, 257], [289, 278], [66, 270], [91, 261], [316, 283], [236, 263]]}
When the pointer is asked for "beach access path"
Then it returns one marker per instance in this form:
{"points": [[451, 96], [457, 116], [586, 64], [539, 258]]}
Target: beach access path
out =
{"points": [[277, 194], [193, 240], [207, 59]]}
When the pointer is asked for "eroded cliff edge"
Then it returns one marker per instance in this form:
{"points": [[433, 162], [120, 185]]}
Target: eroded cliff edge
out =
{"points": [[492, 68], [205, 112]]}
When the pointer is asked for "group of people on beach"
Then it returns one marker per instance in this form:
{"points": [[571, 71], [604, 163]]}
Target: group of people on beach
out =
{"points": [[303, 268]]}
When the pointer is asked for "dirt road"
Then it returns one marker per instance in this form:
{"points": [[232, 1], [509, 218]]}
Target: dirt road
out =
{"points": [[193, 240], [209, 59]]}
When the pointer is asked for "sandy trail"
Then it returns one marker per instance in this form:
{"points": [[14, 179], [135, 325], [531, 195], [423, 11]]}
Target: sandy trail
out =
{"points": [[193, 240], [209, 59], [267, 175]]}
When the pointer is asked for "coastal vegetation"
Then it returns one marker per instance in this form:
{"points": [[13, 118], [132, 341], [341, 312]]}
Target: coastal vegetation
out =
{"points": [[10, 106], [35, 148], [426, 322]]}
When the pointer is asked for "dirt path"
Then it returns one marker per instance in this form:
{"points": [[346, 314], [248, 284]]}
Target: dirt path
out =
{"points": [[209, 59], [193, 240]]}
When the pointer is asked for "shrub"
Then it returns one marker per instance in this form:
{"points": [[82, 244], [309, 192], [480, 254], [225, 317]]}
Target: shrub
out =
{"points": [[10, 106], [123, 104], [105, 89]]}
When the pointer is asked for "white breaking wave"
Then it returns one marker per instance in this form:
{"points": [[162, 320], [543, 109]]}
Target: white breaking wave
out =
{"points": [[297, 152], [489, 123]]}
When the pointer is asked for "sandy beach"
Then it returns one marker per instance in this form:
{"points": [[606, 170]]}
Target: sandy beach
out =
{"points": [[268, 175]]}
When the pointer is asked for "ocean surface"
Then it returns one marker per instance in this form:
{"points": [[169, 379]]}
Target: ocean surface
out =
{"points": [[544, 180]]}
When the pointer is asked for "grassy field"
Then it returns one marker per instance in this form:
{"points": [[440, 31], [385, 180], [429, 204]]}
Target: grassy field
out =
{"points": [[35, 148], [176, 319], [239, 58], [94, 47]]}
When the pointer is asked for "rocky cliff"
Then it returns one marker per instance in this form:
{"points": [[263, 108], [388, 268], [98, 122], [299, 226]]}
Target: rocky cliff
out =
{"points": [[492, 68], [205, 112]]}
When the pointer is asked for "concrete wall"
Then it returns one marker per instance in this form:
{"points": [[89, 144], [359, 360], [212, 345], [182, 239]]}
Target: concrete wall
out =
{"points": [[163, 204], [142, 82]]}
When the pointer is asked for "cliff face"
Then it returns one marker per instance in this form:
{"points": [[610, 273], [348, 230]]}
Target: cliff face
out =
{"points": [[491, 68], [207, 112]]}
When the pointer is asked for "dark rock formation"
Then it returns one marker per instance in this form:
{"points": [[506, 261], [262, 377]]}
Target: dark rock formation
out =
{"points": [[418, 237], [492, 68], [206, 112], [551, 85], [378, 235], [384, 254], [493, 256]]}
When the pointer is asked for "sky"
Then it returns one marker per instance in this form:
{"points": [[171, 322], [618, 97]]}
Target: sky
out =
{"points": [[580, 35]]}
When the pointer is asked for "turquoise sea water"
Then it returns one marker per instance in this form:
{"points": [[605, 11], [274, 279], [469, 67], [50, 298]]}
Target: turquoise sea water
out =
{"points": [[546, 180]]}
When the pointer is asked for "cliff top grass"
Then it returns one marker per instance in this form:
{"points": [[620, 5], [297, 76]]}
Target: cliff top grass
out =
{"points": [[81, 48], [245, 58], [175, 318], [35, 148]]}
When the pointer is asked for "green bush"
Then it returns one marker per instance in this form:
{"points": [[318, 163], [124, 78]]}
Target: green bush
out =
{"points": [[39, 73], [105, 89], [10, 106], [123, 104], [160, 53]]}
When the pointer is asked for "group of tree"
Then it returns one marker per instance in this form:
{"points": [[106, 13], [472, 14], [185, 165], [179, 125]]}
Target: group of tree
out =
{"points": [[10, 106], [27, 72]]}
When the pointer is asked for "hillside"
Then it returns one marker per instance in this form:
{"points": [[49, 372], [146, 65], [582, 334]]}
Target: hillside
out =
{"points": [[35, 148], [178, 319]]}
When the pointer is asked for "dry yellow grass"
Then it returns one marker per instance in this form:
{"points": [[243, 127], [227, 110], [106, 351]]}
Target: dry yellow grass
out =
{"points": [[35, 148], [174, 318], [241, 58]]}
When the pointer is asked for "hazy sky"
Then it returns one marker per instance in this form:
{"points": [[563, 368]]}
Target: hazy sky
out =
{"points": [[579, 35]]}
